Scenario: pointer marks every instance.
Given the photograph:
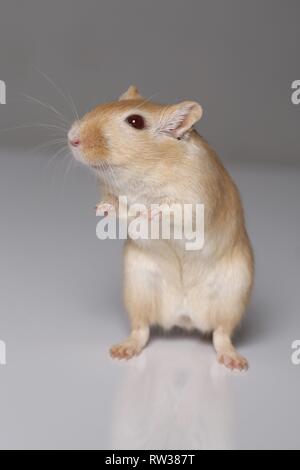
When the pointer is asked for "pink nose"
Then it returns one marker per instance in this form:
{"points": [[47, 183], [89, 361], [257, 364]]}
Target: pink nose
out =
{"points": [[73, 136], [74, 142]]}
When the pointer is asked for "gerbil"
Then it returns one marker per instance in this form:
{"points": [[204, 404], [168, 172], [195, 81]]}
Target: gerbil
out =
{"points": [[157, 156]]}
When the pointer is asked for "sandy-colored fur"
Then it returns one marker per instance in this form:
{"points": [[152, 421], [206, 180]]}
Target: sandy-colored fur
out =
{"points": [[164, 284]]}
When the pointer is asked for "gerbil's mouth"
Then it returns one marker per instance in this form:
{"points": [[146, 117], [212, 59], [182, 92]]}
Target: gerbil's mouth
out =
{"points": [[100, 166], [80, 156]]}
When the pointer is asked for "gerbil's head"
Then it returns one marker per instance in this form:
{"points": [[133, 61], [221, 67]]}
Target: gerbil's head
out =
{"points": [[132, 131]]}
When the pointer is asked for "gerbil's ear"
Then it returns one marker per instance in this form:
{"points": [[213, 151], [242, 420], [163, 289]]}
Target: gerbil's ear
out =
{"points": [[180, 118], [131, 94]]}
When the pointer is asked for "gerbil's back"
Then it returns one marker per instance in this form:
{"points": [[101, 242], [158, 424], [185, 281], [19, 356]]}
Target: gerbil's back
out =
{"points": [[223, 206]]}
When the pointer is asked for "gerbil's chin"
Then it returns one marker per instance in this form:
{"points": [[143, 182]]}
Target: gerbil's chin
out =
{"points": [[78, 155]]}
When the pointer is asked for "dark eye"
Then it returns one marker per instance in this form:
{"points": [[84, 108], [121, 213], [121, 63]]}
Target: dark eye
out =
{"points": [[136, 121]]}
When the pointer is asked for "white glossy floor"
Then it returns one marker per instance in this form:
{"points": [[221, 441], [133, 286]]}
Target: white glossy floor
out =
{"points": [[60, 310]]}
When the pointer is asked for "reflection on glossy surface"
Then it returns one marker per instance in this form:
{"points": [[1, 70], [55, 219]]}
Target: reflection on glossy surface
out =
{"points": [[174, 396], [61, 390]]}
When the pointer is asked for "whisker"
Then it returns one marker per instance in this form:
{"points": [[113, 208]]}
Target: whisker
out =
{"points": [[68, 168], [49, 143], [106, 176], [47, 106], [146, 100], [113, 176], [73, 106], [29, 126], [110, 179], [56, 155], [60, 91]]}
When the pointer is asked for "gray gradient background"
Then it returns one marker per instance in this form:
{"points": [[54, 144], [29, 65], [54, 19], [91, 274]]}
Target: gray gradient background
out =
{"points": [[60, 302]]}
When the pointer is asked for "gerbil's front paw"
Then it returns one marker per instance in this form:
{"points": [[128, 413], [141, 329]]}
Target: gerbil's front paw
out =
{"points": [[233, 361], [125, 350], [105, 209]]}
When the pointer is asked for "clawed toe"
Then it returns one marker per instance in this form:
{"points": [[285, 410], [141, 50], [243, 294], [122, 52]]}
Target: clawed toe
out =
{"points": [[124, 351], [233, 361], [104, 209]]}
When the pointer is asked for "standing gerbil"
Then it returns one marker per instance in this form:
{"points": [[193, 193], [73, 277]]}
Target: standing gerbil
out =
{"points": [[155, 155]]}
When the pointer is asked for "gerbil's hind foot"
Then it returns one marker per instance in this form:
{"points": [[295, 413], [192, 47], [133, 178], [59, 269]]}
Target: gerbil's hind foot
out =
{"points": [[132, 346], [233, 361], [125, 350], [226, 352]]}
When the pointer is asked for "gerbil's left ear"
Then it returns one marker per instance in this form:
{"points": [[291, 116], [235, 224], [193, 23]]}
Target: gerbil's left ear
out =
{"points": [[131, 94], [180, 118]]}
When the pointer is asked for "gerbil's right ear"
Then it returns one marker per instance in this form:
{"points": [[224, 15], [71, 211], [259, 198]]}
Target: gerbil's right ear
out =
{"points": [[178, 119], [131, 94]]}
